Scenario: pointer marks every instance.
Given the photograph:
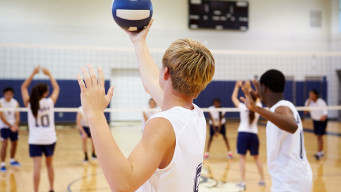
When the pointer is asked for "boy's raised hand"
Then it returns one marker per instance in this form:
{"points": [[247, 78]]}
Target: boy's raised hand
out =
{"points": [[93, 97]]}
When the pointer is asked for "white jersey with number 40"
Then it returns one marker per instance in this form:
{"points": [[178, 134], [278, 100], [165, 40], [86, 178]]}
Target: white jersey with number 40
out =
{"points": [[42, 129], [287, 161], [183, 172]]}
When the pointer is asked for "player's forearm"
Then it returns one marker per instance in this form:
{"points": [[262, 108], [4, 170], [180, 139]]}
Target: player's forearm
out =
{"points": [[54, 83], [285, 123], [3, 119], [116, 167], [28, 81], [235, 93], [17, 120], [149, 71]]}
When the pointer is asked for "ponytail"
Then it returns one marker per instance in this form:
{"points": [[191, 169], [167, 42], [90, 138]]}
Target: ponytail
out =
{"points": [[251, 117], [252, 114], [36, 94]]}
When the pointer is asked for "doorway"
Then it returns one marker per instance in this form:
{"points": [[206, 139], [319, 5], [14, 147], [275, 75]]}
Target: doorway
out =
{"points": [[128, 94], [339, 93]]}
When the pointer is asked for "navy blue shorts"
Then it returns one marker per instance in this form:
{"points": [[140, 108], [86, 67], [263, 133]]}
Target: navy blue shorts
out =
{"points": [[222, 130], [247, 141], [87, 131], [320, 127], [39, 150], [7, 133]]}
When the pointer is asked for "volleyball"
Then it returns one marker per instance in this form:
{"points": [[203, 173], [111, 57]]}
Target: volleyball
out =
{"points": [[132, 15]]}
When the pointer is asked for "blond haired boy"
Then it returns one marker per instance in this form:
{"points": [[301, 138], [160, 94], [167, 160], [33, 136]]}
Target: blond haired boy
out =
{"points": [[169, 156]]}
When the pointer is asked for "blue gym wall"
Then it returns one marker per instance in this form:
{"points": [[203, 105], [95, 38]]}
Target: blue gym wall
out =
{"points": [[223, 90], [69, 97]]}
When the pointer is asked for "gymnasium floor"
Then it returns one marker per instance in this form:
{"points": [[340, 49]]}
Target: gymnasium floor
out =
{"points": [[219, 174]]}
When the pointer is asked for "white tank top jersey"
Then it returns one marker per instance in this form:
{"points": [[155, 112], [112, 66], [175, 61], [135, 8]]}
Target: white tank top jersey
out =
{"points": [[42, 129], [244, 125], [317, 114], [9, 115], [215, 116], [183, 172], [287, 161], [84, 122]]}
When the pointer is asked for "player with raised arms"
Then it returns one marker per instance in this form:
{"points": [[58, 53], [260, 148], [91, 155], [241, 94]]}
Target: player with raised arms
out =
{"points": [[42, 134], [287, 161], [247, 139], [170, 154]]}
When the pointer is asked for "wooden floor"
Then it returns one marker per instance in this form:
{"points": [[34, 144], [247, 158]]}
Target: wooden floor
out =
{"points": [[219, 173]]}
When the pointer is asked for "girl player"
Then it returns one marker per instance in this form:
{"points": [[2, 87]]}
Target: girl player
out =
{"points": [[320, 119], [247, 133], [42, 135], [84, 130]]}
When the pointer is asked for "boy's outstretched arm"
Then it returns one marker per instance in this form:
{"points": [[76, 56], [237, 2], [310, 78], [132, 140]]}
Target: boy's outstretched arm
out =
{"points": [[122, 174], [283, 117], [148, 70]]}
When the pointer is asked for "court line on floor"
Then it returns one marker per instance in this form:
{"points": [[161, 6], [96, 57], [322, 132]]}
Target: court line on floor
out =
{"points": [[79, 179]]}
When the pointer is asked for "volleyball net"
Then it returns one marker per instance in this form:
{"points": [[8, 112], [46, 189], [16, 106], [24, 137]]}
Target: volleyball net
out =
{"points": [[304, 71]]}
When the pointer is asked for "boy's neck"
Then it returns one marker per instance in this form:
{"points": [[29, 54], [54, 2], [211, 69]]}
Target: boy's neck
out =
{"points": [[274, 98], [8, 100], [173, 99]]}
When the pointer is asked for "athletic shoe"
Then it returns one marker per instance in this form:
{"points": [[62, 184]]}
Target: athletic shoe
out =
{"points": [[3, 169], [15, 163], [229, 155], [261, 183], [242, 185], [206, 155], [93, 157], [86, 159], [318, 156]]}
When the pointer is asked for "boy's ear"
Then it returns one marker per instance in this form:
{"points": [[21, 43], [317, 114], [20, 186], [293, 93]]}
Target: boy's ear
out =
{"points": [[166, 74]]}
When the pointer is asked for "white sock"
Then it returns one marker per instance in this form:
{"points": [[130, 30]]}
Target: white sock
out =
{"points": [[320, 153], [11, 160], [3, 164]]}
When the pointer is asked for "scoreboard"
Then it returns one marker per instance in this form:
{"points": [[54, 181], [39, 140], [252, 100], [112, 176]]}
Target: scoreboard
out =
{"points": [[218, 14]]}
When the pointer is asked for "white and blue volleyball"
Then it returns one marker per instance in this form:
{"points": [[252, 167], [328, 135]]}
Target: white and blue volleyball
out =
{"points": [[132, 15]]}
